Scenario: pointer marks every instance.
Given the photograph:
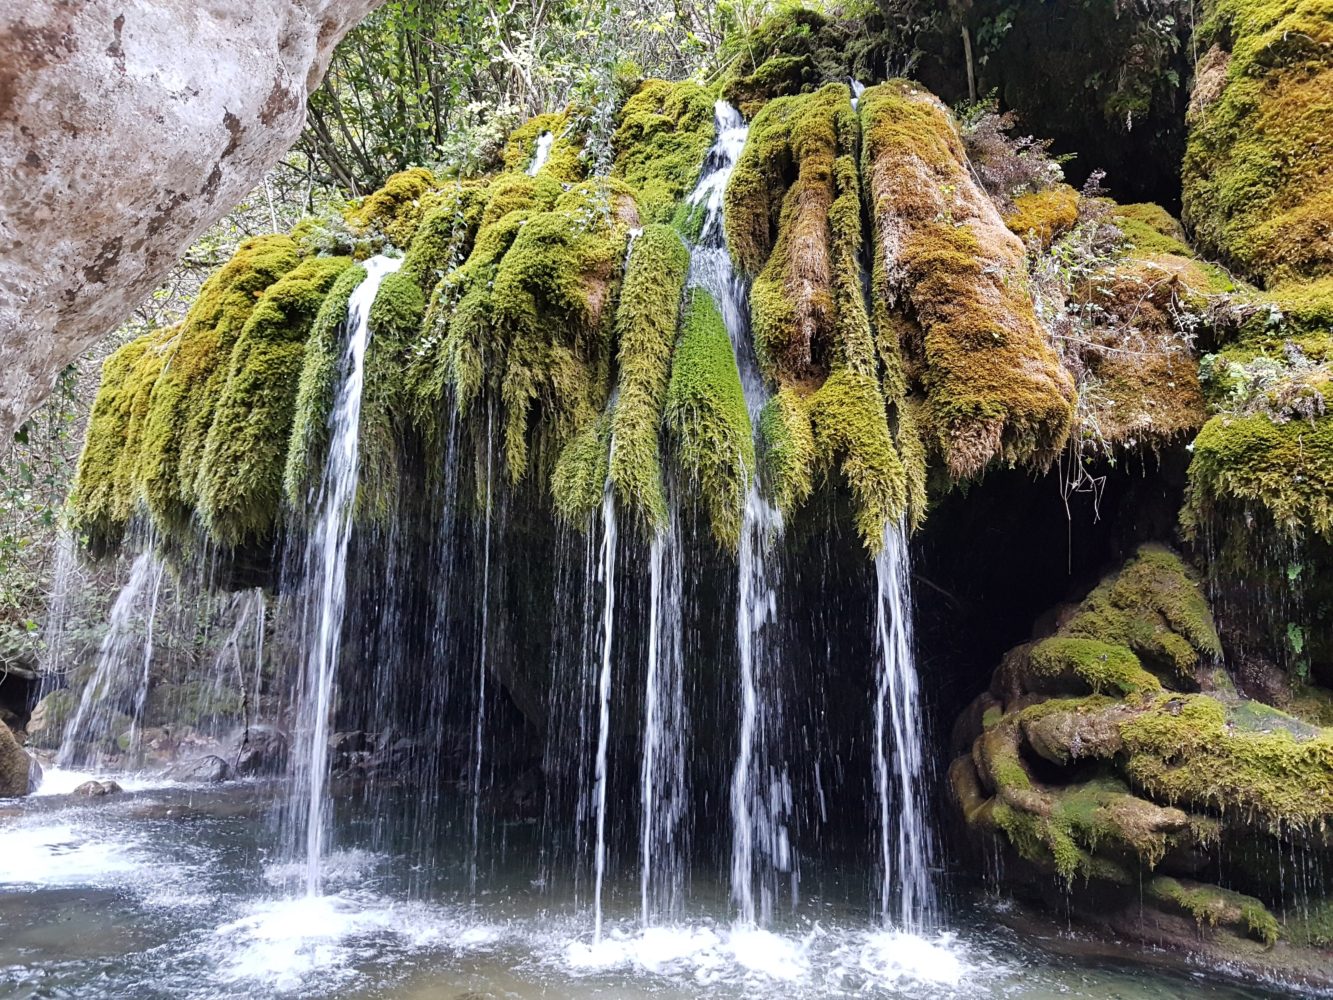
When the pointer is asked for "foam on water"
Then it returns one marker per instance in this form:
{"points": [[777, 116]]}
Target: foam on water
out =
{"points": [[59, 852], [63, 781], [894, 957]]}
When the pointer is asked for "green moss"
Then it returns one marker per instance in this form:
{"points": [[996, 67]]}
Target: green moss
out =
{"points": [[995, 391], [645, 330], [579, 481], [241, 478], [396, 208], [789, 449], [104, 493], [446, 233], [1212, 906], [851, 431], [1088, 666], [793, 50], [185, 395], [565, 161], [1252, 461], [519, 193], [662, 136], [1256, 187], [1154, 607], [706, 413], [1151, 229], [1044, 216]]}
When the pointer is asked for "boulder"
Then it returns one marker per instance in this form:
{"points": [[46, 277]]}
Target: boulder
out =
{"points": [[259, 750], [98, 789], [205, 770], [16, 766], [198, 101]]}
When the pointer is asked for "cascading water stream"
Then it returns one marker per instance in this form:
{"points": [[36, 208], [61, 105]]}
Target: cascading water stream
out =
{"points": [[541, 153], [760, 786], [662, 847], [906, 846], [606, 574], [325, 577], [123, 661]]}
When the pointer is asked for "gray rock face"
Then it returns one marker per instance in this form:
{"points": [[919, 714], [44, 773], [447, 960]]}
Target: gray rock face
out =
{"points": [[126, 129], [205, 770]]}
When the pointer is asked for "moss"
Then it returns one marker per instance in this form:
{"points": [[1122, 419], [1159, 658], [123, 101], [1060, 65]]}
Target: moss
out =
{"points": [[104, 494], [1255, 186], [184, 397], [564, 163], [1154, 607], [396, 208], [1044, 216], [663, 134], [241, 478], [446, 232], [1251, 461], [552, 306], [994, 389], [793, 50], [1212, 906], [1151, 229], [707, 416], [1088, 666], [519, 193], [645, 330], [851, 431], [579, 481], [789, 449]]}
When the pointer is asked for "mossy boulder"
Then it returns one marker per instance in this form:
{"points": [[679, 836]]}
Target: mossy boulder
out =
{"points": [[662, 136]]}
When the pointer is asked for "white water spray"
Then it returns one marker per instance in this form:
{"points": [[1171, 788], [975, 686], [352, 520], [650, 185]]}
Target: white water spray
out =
{"points": [[541, 154], [607, 575], [326, 574]]}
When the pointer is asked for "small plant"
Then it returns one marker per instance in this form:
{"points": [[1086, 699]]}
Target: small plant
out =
{"points": [[1006, 165]]}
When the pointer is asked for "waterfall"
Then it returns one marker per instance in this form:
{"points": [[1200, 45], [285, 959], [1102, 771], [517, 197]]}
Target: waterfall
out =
{"points": [[483, 665], [325, 577], [606, 574], [541, 154], [906, 847], [120, 678], [761, 796], [662, 841]]}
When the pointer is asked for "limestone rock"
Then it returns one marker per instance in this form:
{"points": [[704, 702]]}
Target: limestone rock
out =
{"points": [[17, 770], [210, 770], [126, 129], [98, 789]]}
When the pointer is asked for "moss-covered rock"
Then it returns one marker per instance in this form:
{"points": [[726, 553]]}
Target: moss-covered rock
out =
{"points": [[1257, 164], [395, 209], [241, 478], [662, 135], [1044, 216], [708, 419], [953, 274], [564, 162]]}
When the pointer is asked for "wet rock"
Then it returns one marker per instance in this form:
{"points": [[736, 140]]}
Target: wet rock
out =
{"points": [[48, 718], [200, 104], [16, 766], [259, 750], [211, 769], [98, 789]]}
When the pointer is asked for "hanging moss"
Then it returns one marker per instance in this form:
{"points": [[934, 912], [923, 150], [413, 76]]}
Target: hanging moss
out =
{"points": [[241, 478], [645, 330], [995, 390], [1212, 906], [707, 416], [663, 134], [1256, 189], [789, 449], [396, 208], [184, 397], [565, 160], [105, 490], [578, 483]]}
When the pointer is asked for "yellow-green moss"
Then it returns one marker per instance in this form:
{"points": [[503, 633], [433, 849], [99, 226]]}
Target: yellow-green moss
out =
{"points": [[789, 449], [565, 161], [241, 478], [1284, 468], [446, 233], [995, 391], [1044, 216], [1151, 229], [645, 330], [1256, 189], [707, 416], [579, 480], [1213, 906], [185, 396], [396, 208], [1087, 666], [663, 134]]}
